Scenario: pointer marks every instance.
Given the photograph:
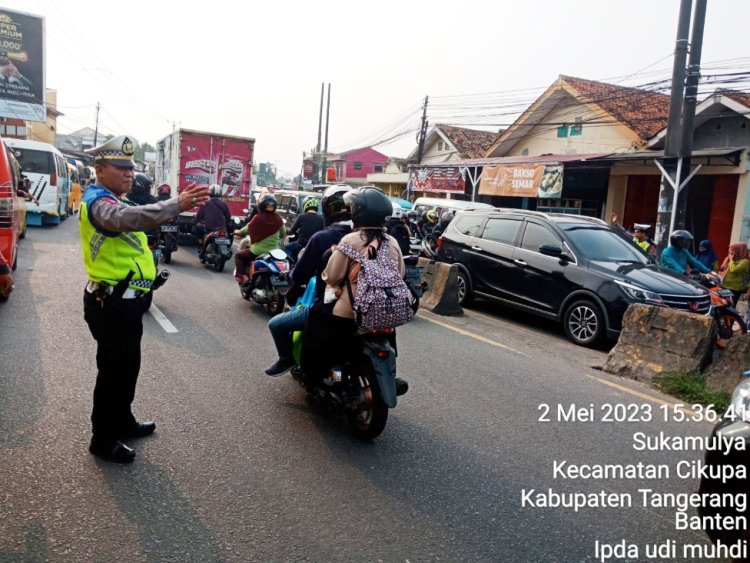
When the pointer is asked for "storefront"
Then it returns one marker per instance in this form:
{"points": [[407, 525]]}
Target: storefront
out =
{"points": [[715, 197], [574, 184]]}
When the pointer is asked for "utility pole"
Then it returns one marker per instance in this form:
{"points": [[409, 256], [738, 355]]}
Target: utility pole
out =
{"points": [[96, 126], [672, 165], [320, 127], [422, 131], [688, 108], [325, 148]]}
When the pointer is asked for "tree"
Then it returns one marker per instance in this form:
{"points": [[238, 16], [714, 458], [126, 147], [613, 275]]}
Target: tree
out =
{"points": [[140, 150]]}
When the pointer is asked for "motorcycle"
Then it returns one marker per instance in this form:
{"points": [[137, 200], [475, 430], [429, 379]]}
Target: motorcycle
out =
{"points": [[216, 249], [413, 276], [267, 284], [728, 319], [168, 240], [430, 247], [364, 387]]}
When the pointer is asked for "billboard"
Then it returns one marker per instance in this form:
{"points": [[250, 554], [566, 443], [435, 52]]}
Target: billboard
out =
{"points": [[426, 179], [22, 66], [522, 180]]}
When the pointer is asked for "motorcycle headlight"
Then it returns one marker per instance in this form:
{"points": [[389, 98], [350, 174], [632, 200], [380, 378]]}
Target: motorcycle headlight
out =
{"points": [[740, 406], [639, 294]]}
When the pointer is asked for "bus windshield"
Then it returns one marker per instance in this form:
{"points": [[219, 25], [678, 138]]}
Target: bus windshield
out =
{"points": [[38, 162]]}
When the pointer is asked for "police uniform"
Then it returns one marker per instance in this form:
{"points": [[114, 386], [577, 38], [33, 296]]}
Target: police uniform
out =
{"points": [[646, 245], [121, 272]]}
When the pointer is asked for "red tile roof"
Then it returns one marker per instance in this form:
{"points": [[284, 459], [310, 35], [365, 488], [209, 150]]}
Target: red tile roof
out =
{"points": [[739, 97], [645, 112], [469, 143]]}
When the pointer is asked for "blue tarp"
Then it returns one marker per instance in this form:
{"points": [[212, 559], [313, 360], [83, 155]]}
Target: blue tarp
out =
{"points": [[402, 202]]}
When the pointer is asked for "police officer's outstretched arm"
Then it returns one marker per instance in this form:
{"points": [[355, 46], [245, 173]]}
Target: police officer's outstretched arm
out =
{"points": [[119, 218]]}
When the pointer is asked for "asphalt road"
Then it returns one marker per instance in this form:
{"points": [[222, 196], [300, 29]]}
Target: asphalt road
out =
{"points": [[242, 468]]}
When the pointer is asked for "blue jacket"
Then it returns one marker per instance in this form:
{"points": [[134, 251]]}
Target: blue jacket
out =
{"points": [[310, 262], [678, 259]]}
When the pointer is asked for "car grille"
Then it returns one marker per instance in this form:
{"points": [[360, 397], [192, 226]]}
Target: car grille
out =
{"points": [[700, 305]]}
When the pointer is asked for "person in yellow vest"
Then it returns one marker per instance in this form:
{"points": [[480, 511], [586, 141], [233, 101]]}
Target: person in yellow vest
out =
{"points": [[642, 240], [121, 272]]}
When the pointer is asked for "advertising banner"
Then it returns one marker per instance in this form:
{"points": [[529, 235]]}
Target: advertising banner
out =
{"points": [[522, 180], [428, 179], [22, 66]]}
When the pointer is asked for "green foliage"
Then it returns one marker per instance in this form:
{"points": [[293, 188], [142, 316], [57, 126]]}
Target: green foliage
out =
{"points": [[141, 149], [690, 386]]}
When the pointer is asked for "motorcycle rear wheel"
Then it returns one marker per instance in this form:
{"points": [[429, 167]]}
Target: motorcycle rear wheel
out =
{"points": [[276, 306], [368, 421], [729, 324], [166, 257], [219, 266]]}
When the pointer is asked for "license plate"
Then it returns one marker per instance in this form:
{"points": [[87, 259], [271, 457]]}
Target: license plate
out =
{"points": [[223, 241], [169, 228]]}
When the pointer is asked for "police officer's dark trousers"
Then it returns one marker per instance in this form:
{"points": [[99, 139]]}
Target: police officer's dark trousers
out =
{"points": [[117, 327]]}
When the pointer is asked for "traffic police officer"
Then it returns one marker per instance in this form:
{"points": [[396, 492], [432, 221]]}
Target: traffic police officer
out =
{"points": [[121, 271], [641, 238]]}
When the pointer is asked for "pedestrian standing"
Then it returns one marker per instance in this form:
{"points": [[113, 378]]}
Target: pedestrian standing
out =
{"points": [[121, 272]]}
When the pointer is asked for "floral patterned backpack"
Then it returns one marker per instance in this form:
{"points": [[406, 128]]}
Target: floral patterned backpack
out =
{"points": [[383, 299]]}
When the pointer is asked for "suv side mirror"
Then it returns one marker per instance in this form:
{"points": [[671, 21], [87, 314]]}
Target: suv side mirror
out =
{"points": [[554, 251]]}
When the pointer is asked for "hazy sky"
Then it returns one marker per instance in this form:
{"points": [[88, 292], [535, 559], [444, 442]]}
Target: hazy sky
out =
{"points": [[255, 68]]}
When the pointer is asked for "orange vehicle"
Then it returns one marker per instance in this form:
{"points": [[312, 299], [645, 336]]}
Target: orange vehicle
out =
{"points": [[11, 207], [76, 191]]}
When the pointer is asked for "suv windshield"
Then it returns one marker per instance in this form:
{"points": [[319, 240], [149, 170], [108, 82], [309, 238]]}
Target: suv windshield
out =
{"points": [[602, 245]]}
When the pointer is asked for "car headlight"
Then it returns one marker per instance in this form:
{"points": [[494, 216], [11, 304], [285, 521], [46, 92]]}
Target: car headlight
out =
{"points": [[639, 294], [740, 406]]}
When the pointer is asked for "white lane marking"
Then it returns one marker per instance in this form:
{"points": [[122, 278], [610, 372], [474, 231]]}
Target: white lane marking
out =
{"points": [[160, 318]]}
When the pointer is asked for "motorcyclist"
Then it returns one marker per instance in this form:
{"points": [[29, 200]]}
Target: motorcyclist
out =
{"points": [[445, 218], [398, 228], [413, 224], [427, 222], [311, 263], [306, 224], [328, 335], [677, 258], [163, 192], [266, 231], [140, 193], [212, 217]]}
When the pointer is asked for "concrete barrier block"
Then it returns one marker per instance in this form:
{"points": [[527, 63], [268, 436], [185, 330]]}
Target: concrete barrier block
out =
{"points": [[656, 339], [727, 372], [441, 297]]}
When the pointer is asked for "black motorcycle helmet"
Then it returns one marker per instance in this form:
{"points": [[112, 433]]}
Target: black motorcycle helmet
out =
{"points": [[412, 215], [681, 239], [142, 183], [334, 208], [370, 206], [267, 203]]}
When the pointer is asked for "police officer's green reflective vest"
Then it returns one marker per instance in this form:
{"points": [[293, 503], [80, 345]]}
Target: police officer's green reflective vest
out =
{"points": [[644, 244], [109, 257]]}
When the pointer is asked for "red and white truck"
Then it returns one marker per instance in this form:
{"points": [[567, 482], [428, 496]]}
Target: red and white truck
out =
{"points": [[188, 156]]}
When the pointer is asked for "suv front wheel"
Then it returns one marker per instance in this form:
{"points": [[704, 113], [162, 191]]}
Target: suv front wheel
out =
{"points": [[583, 322]]}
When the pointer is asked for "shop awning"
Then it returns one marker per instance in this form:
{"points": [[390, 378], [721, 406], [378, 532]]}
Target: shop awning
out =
{"points": [[732, 154]]}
